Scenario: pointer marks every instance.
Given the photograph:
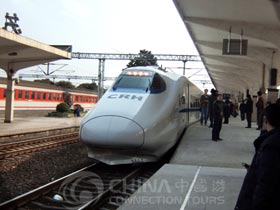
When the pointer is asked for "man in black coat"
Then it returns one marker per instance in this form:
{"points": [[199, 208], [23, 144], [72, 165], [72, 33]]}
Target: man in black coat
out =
{"points": [[249, 110], [260, 108], [212, 99], [261, 186], [218, 107], [227, 110], [242, 109]]}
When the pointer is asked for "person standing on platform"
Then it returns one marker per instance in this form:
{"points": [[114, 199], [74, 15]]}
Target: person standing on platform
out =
{"points": [[249, 110], [242, 109], [217, 118], [261, 187], [212, 99], [260, 108], [227, 110], [204, 99]]}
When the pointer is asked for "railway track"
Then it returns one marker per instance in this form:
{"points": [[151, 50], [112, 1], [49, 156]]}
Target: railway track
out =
{"points": [[28, 146], [94, 187]]}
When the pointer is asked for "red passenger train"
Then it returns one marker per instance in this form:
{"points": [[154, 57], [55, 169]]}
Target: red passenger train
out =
{"points": [[40, 96]]}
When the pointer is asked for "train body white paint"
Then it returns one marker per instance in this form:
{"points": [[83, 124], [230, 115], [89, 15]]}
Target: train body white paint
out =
{"points": [[140, 117]]}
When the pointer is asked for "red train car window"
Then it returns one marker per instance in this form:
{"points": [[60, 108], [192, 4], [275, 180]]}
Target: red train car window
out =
{"points": [[26, 94], [44, 96], [33, 95], [19, 94], [38, 96]]}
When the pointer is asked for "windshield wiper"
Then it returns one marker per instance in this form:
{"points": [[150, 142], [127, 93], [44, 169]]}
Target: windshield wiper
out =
{"points": [[116, 84]]}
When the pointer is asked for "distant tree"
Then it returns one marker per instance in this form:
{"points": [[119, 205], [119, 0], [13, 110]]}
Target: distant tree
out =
{"points": [[89, 86], [48, 81], [65, 84], [145, 58]]}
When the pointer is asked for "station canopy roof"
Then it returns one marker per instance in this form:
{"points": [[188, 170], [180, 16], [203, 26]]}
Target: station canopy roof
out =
{"points": [[18, 52], [209, 22]]}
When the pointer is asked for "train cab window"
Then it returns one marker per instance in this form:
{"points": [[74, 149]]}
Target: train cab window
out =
{"points": [[135, 81], [158, 84]]}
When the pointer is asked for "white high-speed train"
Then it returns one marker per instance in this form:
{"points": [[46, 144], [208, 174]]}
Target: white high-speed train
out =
{"points": [[140, 117]]}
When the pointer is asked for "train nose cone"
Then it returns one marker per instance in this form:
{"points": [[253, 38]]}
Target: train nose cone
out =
{"points": [[112, 132]]}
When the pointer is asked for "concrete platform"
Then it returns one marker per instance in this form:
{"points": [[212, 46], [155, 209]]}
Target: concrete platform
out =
{"points": [[188, 187], [197, 148], [202, 174], [23, 125]]}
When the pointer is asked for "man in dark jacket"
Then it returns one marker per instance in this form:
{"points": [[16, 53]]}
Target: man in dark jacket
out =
{"points": [[249, 110], [260, 108], [217, 118], [242, 109], [227, 110], [212, 99], [261, 186]]}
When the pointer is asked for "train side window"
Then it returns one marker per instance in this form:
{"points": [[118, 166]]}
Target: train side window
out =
{"points": [[32, 95], [44, 96], [26, 94], [183, 100], [77, 98], [5, 93], [49, 96], [158, 84], [38, 95], [20, 94]]}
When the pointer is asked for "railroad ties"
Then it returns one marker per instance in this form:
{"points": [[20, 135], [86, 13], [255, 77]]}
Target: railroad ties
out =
{"points": [[9, 150], [94, 187]]}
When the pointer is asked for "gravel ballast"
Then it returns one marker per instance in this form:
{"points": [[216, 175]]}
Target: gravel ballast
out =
{"points": [[22, 174]]}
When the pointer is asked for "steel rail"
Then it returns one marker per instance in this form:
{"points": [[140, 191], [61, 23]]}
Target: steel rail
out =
{"points": [[33, 194], [29, 146]]}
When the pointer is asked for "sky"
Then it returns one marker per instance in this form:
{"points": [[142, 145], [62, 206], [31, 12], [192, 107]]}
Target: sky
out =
{"points": [[105, 26]]}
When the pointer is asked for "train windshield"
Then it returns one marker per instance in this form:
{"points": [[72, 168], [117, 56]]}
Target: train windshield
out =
{"points": [[135, 81]]}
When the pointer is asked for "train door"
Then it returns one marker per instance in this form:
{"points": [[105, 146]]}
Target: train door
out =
{"points": [[184, 106], [187, 92]]}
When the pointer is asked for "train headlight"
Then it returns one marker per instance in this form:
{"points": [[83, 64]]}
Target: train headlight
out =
{"points": [[138, 73]]}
